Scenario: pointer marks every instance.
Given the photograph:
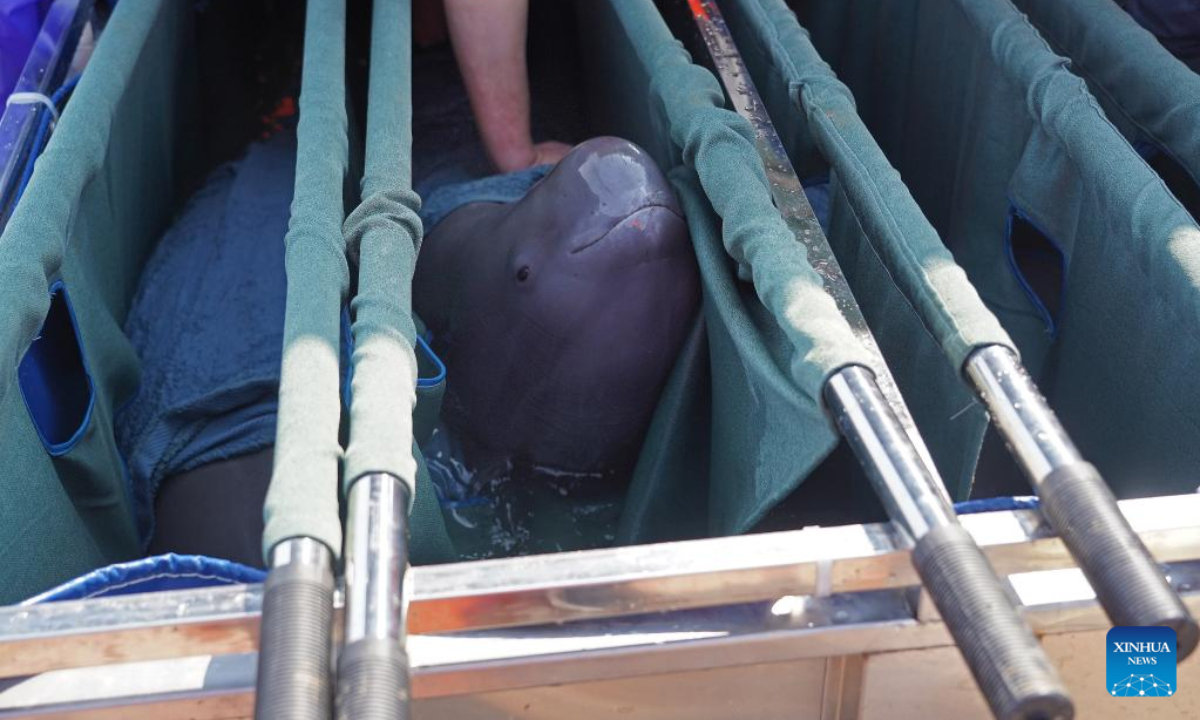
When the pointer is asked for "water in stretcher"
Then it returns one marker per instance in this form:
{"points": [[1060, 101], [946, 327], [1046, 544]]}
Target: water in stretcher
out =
{"points": [[502, 508]]}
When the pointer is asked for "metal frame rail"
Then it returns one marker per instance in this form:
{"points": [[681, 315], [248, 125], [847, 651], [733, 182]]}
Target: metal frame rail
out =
{"points": [[529, 622]]}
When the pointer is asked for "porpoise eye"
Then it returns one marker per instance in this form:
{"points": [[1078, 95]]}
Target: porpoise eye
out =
{"points": [[523, 273]]}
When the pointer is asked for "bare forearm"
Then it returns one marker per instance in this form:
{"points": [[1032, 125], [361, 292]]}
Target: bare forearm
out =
{"points": [[489, 43]]}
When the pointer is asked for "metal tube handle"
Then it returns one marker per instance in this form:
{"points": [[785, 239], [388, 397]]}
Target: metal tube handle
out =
{"points": [[294, 646], [1008, 664], [1012, 670], [373, 681], [1078, 503], [1129, 584], [373, 676]]}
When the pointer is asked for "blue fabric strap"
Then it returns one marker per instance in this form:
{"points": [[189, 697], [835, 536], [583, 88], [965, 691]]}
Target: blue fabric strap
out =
{"points": [[152, 574]]}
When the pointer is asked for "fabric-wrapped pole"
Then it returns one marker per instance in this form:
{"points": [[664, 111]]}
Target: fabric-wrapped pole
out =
{"points": [[384, 232], [922, 267], [302, 534]]}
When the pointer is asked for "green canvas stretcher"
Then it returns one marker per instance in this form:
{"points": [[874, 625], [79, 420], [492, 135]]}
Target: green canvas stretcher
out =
{"points": [[779, 335], [990, 130], [768, 328], [1150, 95], [740, 424], [101, 194], [918, 302], [115, 172], [125, 154]]}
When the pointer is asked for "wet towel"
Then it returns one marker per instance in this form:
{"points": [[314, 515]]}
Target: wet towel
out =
{"points": [[513, 186], [207, 321], [506, 188], [207, 324]]}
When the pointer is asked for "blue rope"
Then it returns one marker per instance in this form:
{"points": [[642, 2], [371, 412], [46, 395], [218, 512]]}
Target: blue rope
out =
{"points": [[1019, 502], [43, 131]]}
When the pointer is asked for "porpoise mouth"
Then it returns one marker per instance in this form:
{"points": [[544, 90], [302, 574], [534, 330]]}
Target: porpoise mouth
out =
{"points": [[638, 220]]}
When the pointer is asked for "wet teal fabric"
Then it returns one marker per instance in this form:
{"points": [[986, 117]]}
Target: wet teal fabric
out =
{"points": [[985, 122], [740, 424], [1149, 94], [917, 301], [101, 193]]}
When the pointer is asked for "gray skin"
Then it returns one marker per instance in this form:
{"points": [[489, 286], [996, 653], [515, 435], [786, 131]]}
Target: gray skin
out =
{"points": [[559, 316]]}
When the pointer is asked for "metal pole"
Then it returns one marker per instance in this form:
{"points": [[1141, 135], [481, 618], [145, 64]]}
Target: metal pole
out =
{"points": [[1009, 665], [302, 525], [900, 477], [294, 645], [373, 677], [1012, 670], [1128, 582], [1021, 414]]}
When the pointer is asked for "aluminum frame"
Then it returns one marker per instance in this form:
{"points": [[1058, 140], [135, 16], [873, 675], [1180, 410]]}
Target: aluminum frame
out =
{"points": [[499, 625]]}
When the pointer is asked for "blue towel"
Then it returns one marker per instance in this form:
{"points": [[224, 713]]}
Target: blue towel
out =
{"points": [[153, 574], [207, 324], [444, 200], [508, 188], [207, 320]]}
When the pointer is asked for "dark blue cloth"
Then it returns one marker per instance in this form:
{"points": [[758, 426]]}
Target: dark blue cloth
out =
{"points": [[207, 324], [1016, 502], [153, 574], [817, 192], [178, 572], [1176, 24], [207, 321], [444, 200]]}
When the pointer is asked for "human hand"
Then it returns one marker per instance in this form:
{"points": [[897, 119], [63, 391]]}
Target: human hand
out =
{"points": [[549, 152]]}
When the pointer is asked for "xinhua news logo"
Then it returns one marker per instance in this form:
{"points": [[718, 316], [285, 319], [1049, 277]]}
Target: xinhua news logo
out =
{"points": [[1141, 662]]}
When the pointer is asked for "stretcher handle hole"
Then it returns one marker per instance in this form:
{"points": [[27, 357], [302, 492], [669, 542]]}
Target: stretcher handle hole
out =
{"points": [[54, 379]]}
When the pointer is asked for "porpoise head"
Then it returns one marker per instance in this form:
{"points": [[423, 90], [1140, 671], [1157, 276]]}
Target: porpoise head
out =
{"points": [[559, 316]]}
